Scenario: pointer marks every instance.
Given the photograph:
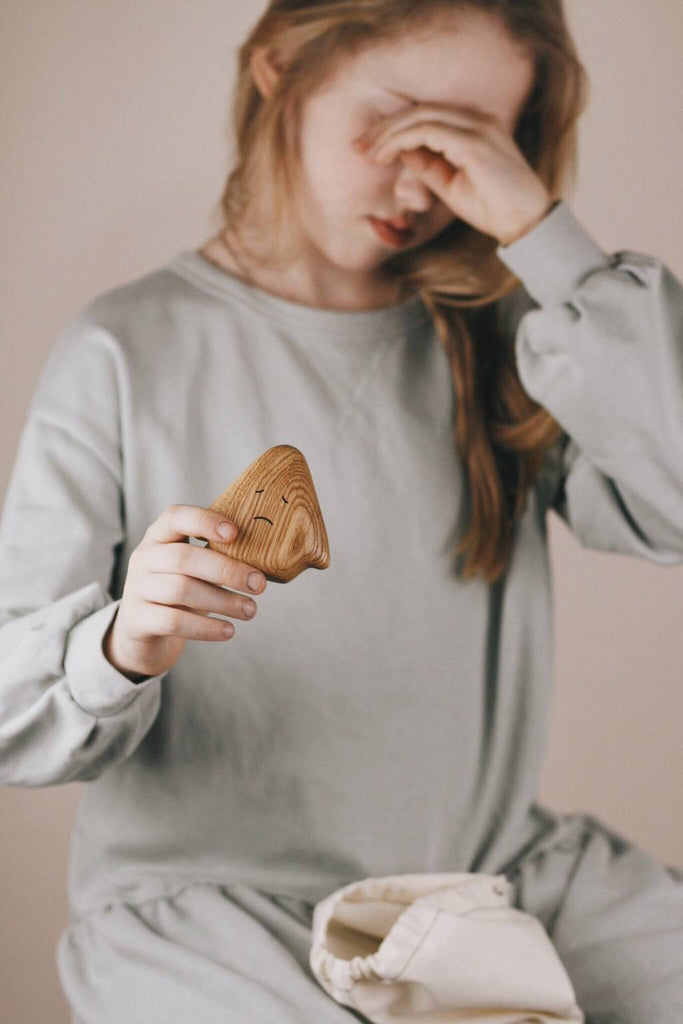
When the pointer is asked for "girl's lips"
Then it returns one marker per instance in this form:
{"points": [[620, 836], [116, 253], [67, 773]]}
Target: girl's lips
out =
{"points": [[391, 235]]}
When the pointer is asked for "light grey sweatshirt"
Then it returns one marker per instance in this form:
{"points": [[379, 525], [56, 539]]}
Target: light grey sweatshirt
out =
{"points": [[382, 716]]}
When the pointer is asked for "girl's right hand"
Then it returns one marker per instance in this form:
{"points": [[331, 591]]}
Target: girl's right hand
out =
{"points": [[170, 587]]}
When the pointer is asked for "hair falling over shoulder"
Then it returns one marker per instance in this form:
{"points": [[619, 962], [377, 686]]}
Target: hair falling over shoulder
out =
{"points": [[502, 435]]}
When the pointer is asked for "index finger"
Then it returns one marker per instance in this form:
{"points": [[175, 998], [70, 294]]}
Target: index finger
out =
{"points": [[178, 522]]}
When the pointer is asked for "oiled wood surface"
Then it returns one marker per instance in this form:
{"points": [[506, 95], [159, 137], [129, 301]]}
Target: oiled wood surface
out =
{"points": [[275, 508]]}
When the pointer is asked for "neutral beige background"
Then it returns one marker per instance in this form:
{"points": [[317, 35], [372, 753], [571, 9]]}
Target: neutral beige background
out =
{"points": [[114, 129]]}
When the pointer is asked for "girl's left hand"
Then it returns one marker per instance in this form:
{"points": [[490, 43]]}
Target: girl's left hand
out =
{"points": [[470, 161]]}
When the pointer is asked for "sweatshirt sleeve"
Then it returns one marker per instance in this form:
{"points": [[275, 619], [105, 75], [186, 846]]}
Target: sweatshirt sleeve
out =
{"points": [[599, 344], [65, 712]]}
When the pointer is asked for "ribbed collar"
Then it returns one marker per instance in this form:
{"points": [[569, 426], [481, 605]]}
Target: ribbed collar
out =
{"points": [[370, 324]]}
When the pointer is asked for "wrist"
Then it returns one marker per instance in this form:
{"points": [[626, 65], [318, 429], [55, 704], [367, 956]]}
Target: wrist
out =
{"points": [[113, 654], [529, 225]]}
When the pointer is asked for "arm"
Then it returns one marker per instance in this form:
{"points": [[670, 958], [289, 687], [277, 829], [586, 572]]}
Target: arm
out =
{"points": [[599, 343], [65, 712]]}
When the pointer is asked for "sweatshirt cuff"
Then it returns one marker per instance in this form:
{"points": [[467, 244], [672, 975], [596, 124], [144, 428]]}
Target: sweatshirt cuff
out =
{"points": [[554, 257], [96, 686]]}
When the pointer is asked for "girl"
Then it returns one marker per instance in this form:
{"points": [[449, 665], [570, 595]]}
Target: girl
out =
{"points": [[401, 291]]}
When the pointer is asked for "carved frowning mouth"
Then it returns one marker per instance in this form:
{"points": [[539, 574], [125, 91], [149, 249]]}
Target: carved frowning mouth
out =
{"points": [[264, 517]]}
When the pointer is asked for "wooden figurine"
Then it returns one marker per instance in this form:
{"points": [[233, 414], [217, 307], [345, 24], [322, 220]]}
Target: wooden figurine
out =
{"points": [[274, 506]]}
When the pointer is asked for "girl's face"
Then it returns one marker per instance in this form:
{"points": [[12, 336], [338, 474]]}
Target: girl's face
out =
{"points": [[465, 60]]}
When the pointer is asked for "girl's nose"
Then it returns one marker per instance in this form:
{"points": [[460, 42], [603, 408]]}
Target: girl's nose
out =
{"points": [[412, 191]]}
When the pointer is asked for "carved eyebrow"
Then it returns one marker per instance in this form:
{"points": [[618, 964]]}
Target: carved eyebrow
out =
{"points": [[282, 496]]}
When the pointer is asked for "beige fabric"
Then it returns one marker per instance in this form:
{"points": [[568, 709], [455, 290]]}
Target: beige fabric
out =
{"points": [[438, 948]]}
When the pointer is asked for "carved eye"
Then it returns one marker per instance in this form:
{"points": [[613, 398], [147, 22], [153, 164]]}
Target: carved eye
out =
{"points": [[260, 492], [285, 500]]}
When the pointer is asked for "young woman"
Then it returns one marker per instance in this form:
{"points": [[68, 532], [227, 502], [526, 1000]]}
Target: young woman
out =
{"points": [[401, 291]]}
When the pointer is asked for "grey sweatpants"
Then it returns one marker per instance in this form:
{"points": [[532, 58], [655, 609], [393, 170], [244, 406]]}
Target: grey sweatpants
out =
{"points": [[234, 955]]}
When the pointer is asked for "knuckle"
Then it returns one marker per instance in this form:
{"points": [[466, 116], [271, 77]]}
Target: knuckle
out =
{"points": [[165, 519], [139, 563], [152, 559], [182, 557], [207, 523], [169, 620], [227, 574], [148, 536], [180, 589]]}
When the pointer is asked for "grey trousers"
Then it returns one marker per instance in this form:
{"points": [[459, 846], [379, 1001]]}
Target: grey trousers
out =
{"points": [[211, 954]]}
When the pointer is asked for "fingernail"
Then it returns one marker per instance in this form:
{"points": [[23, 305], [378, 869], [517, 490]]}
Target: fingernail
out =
{"points": [[226, 530], [255, 579]]}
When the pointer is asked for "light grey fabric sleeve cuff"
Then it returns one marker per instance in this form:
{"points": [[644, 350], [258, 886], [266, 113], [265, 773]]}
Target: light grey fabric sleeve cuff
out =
{"points": [[96, 686], [554, 257]]}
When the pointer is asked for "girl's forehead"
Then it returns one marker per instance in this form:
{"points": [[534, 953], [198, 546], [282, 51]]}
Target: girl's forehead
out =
{"points": [[499, 89], [472, 62]]}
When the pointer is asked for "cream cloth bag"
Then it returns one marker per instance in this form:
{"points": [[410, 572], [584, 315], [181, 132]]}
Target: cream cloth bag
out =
{"points": [[438, 948]]}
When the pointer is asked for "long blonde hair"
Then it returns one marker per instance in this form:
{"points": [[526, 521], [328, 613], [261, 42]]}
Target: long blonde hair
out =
{"points": [[500, 432]]}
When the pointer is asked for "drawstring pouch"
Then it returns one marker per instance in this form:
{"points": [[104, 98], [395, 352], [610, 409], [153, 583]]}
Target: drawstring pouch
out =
{"points": [[436, 949]]}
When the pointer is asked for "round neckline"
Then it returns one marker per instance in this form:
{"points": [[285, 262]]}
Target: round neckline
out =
{"points": [[199, 270]]}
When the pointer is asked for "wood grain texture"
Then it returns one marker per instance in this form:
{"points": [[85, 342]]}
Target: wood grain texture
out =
{"points": [[274, 506]]}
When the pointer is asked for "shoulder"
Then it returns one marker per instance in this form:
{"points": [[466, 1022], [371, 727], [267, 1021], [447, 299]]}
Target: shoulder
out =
{"points": [[159, 306], [159, 296], [120, 332]]}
